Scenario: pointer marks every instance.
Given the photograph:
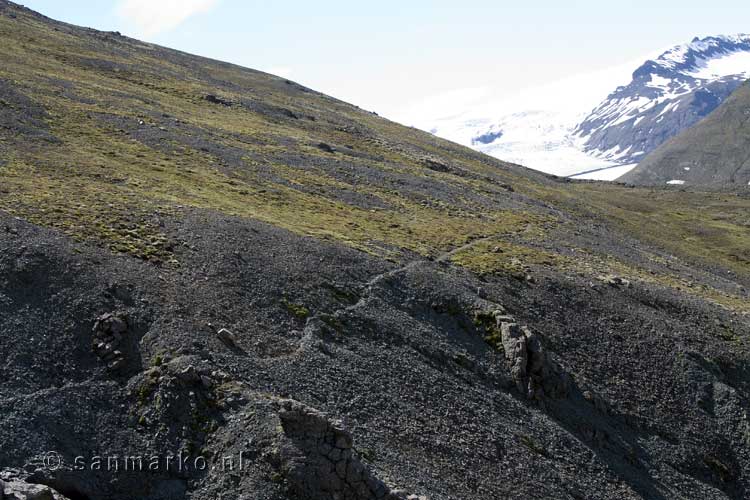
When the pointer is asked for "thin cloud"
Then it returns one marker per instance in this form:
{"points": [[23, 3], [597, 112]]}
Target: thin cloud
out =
{"points": [[151, 17]]}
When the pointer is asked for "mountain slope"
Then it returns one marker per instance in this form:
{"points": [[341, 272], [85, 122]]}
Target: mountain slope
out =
{"points": [[666, 95], [715, 151], [204, 259]]}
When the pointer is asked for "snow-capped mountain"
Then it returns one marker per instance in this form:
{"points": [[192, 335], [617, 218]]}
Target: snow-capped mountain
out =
{"points": [[553, 129], [713, 152], [666, 95]]}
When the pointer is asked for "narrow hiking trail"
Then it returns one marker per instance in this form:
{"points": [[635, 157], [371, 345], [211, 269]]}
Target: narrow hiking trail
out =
{"points": [[313, 323]]}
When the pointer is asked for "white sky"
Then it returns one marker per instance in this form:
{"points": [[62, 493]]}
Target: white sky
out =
{"points": [[406, 60]]}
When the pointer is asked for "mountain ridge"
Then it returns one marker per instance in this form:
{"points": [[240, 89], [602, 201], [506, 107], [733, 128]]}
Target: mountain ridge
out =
{"points": [[713, 152], [666, 95]]}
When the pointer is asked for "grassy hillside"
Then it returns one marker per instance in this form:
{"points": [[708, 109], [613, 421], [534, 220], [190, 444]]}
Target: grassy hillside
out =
{"points": [[202, 257], [102, 132]]}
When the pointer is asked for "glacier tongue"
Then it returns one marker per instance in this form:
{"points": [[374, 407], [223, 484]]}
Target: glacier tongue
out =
{"points": [[542, 140], [573, 128], [534, 128]]}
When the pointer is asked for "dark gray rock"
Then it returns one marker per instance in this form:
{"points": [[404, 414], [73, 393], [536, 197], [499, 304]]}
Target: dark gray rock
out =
{"points": [[227, 337], [318, 460], [214, 99], [20, 490], [326, 147]]}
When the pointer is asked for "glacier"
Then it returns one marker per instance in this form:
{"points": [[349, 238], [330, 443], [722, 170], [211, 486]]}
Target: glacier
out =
{"points": [[600, 124]]}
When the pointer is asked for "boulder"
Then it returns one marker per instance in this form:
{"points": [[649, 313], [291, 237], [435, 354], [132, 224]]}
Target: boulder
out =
{"points": [[108, 333], [326, 147], [21, 490], [214, 99], [615, 281], [227, 337], [110, 324]]}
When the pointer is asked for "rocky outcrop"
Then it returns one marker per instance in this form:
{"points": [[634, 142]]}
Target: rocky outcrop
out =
{"points": [[21, 490], [319, 462], [615, 281], [214, 99], [535, 374], [108, 334], [178, 398]]}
